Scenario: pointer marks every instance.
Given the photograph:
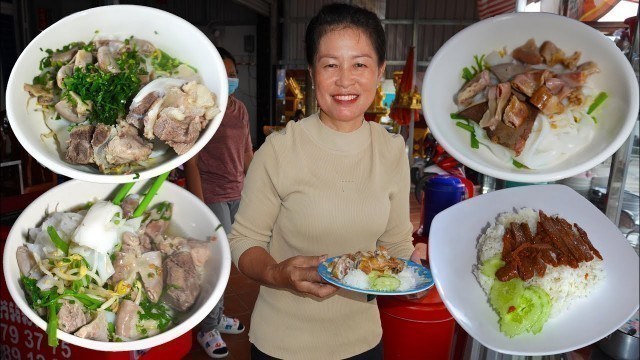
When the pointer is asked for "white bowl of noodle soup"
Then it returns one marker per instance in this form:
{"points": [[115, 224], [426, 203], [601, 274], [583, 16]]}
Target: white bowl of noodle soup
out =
{"points": [[165, 31], [191, 217], [616, 116]]}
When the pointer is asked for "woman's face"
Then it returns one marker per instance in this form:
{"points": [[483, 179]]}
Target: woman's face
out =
{"points": [[230, 67], [346, 75]]}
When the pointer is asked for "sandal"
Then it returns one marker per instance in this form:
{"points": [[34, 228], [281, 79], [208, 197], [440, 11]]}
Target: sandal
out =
{"points": [[229, 325], [213, 344]]}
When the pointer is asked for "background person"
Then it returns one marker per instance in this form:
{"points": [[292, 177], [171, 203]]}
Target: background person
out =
{"points": [[329, 184], [216, 175]]}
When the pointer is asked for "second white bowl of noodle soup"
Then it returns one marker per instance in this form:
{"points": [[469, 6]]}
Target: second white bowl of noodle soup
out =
{"points": [[170, 33], [616, 117], [191, 217]]}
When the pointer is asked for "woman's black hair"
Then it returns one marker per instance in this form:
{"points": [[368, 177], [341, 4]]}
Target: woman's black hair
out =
{"points": [[224, 54], [341, 15]]}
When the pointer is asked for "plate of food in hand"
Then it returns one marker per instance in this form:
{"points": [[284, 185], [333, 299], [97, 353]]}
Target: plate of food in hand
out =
{"points": [[116, 269], [376, 273], [533, 269], [530, 97], [102, 96]]}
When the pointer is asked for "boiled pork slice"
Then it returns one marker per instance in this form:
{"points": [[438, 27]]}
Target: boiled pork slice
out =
{"points": [[71, 317], [79, 150], [96, 329], [150, 268], [182, 281]]}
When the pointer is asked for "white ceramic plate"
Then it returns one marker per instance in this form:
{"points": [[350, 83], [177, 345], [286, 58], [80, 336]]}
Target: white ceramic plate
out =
{"points": [[190, 216], [425, 282], [452, 252], [443, 79], [168, 32]]}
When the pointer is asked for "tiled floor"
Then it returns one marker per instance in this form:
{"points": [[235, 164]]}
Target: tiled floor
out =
{"points": [[239, 298]]}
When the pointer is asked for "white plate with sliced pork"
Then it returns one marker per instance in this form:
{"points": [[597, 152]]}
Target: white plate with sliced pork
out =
{"points": [[551, 291], [530, 97]]}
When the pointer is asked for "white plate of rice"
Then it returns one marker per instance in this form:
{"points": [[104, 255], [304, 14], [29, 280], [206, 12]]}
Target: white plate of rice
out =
{"points": [[413, 278], [594, 312]]}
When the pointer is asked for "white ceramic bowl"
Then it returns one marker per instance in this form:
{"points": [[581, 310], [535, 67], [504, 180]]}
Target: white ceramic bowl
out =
{"points": [[168, 32], [443, 79], [191, 217]]}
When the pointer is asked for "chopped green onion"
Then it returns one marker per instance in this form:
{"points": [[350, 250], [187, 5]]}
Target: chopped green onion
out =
{"points": [[455, 116], [52, 326], [149, 195], [124, 190], [597, 102], [519, 165], [595, 120], [218, 227], [57, 240], [475, 144], [467, 127]]}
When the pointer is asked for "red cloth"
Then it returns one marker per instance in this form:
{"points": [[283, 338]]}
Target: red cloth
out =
{"points": [[489, 8], [221, 161], [402, 115]]}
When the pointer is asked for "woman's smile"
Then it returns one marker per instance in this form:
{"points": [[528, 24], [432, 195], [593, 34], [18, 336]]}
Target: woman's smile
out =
{"points": [[346, 74]]}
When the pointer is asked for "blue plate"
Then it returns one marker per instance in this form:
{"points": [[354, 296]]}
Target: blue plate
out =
{"points": [[425, 281]]}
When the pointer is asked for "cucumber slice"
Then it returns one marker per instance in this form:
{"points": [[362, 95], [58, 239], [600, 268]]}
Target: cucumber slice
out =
{"points": [[545, 303], [491, 265], [529, 315], [385, 283], [506, 295]]}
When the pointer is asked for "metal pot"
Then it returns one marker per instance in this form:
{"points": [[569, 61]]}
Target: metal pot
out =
{"points": [[620, 346]]}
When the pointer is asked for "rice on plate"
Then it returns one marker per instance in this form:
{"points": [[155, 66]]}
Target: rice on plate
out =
{"points": [[563, 284]]}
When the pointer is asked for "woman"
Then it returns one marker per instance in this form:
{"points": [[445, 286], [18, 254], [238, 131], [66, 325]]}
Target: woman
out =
{"points": [[329, 184], [216, 175]]}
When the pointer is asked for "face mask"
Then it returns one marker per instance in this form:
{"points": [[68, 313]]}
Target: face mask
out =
{"points": [[233, 85]]}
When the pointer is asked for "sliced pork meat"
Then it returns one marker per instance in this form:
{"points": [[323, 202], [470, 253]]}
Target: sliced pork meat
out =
{"points": [[129, 205], [516, 113], [498, 96], [574, 79], [127, 146], [200, 253], [551, 54], [136, 113], [528, 82], [546, 101], [182, 281], [79, 150], [66, 56], [127, 320], [472, 88], [131, 244], [589, 68], [96, 329], [475, 112], [25, 259], [528, 53], [176, 130], [150, 268], [506, 72], [71, 317], [511, 138], [107, 61], [126, 268], [99, 142]]}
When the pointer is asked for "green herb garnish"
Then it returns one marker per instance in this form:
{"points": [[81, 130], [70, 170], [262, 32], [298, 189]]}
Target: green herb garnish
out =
{"points": [[597, 102], [519, 165], [470, 73], [57, 240], [474, 143]]}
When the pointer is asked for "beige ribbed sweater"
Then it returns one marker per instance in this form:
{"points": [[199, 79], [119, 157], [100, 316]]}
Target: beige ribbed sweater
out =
{"points": [[311, 190]]}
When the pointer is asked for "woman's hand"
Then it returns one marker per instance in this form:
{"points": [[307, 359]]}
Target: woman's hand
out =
{"points": [[300, 273], [419, 255]]}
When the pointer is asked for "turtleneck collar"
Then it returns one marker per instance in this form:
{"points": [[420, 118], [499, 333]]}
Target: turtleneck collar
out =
{"points": [[334, 140]]}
